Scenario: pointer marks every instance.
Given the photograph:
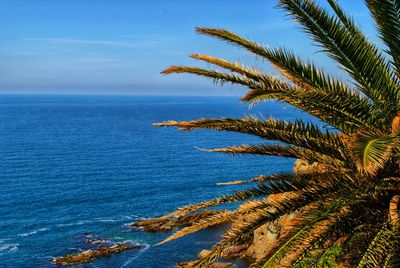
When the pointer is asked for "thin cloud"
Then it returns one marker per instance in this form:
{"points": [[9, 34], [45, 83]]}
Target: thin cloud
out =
{"points": [[133, 43], [68, 41]]}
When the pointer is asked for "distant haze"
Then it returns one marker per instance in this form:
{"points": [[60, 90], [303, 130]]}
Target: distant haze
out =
{"points": [[120, 47]]}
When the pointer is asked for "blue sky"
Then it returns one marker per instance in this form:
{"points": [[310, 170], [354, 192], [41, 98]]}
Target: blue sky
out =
{"points": [[120, 46]]}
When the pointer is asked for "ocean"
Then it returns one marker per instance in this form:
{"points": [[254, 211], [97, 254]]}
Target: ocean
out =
{"points": [[73, 165]]}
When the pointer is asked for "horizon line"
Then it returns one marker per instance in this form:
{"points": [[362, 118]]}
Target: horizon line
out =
{"points": [[108, 94]]}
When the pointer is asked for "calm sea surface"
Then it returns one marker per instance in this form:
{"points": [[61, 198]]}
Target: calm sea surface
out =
{"points": [[71, 165]]}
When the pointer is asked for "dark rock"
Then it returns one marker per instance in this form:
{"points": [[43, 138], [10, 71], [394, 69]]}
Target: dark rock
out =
{"points": [[92, 254]]}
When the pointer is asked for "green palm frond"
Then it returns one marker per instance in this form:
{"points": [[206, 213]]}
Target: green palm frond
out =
{"points": [[359, 58], [304, 74], [346, 112], [292, 66], [347, 20], [380, 248], [387, 17], [371, 153], [393, 256]]}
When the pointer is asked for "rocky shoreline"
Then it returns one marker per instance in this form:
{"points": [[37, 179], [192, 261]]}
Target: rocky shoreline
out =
{"points": [[252, 251]]}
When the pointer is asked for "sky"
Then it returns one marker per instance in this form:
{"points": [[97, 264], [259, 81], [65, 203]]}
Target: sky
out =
{"points": [[120, 46]]}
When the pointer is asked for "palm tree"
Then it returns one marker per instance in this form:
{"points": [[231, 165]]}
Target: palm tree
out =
{"points": [[352, 202]]}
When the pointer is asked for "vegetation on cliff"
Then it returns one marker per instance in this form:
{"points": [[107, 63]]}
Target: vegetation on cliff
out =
{"points": [[347, 211]]}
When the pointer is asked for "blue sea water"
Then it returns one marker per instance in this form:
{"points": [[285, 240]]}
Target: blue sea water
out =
{"points": [[71, 165]]}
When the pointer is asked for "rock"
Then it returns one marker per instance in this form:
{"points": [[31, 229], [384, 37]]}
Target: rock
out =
{"points": [[87, 253], [306, 167], [233, 253], [155, 225], [236, 252], [266, 236], [213, 265], [92, 254], [261, 242], [221, 265], [152, 225], [185, 264]]}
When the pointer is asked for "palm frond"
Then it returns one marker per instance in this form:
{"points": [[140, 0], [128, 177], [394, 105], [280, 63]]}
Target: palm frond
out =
{"points": [[379, 248], [346, 112], [393, 256], [371, 153], [215, 75], [281, 150], [352, 112], [304, 74], [347, 20], [290, 182], [359, 58], [387, 17], [238, 196], [298, 133], [266, 81], [213, 220], [268, 185]]}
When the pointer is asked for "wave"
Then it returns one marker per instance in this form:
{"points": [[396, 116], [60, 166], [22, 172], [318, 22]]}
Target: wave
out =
{"points": [[118, 239], [33, 232], [7, 247], [77, 223], [81, 222], [146, 247], [96, 220]]}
